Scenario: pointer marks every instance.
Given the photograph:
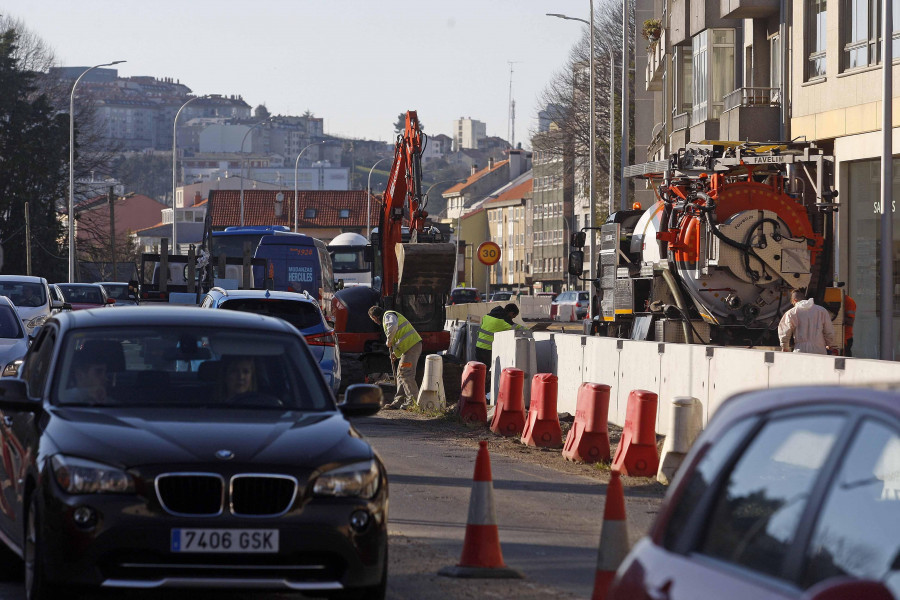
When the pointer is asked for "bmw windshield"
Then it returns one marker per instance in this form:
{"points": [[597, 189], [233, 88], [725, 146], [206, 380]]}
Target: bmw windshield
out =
{"points": [[188, 367]]}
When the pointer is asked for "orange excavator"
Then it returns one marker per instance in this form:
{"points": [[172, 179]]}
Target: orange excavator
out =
{"points": [[412, 270]]}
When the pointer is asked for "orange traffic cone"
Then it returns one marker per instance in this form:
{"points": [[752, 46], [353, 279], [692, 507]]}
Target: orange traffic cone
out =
{"points": [[481, 555], [613, 537]]}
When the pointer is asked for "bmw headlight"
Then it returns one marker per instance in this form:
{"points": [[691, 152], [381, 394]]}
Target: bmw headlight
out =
{"points": [[80, 476], [356, 480], [38, 321]]}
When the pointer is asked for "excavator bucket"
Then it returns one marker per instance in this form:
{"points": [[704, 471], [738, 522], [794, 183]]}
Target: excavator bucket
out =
{"points": [[425, 268]]}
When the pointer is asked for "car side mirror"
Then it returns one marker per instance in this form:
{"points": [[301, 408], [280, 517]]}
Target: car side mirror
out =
{"points": [[339, 285], [577, 239], [841, 588], [34, 333], [369, 254], [361, 400], [14, 396], [133, 288], [57, 305], [576, 262]]}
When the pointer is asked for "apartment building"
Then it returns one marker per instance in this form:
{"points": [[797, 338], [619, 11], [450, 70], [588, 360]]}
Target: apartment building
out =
{"points": [[765, 70], [468, 133], [552, 202], [510, 227]]}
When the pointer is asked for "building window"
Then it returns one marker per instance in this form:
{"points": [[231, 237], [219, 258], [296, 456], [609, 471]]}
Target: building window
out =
{"points": [[861, 33], [309, 213], [345, 213], [713, 73], [775, 66], [683, 89], [816, 14]]}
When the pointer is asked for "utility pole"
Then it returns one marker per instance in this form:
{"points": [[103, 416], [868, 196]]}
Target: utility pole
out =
{"points": [[111, 197], [27, 241]]}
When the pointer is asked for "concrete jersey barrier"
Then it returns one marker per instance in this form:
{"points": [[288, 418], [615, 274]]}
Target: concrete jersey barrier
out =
{"points": [[709, 373]]}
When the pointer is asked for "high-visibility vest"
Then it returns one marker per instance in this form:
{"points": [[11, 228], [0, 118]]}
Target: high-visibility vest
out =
{"points": [[406, 336], [489, 326]]}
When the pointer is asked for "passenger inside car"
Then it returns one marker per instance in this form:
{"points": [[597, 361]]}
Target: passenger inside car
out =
{"points": [[239, 377]]}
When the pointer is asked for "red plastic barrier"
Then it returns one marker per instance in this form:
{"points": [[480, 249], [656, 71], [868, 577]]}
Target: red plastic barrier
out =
{"points": [[637, 455], [509, 416], [542, 426], [588, 439], [472, 405]]}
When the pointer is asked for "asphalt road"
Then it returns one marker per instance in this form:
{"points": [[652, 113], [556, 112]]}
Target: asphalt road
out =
{"points": [[549, 521]]}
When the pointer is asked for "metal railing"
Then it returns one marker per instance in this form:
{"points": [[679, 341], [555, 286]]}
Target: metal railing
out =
{"points": [[752, 96]]}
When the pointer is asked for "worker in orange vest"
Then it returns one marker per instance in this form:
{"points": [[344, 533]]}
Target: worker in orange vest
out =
{"points": [[849, 317]]}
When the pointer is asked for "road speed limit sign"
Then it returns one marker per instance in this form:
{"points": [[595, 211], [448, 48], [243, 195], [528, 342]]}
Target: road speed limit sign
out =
{"points": [[489, 253]]}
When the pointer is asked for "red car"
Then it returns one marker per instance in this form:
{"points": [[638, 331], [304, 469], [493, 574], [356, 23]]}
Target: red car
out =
{"points": [[787, 493], [85, 295]]}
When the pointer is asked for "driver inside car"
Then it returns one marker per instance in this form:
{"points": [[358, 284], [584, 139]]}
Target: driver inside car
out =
{"points": [[89, 377]]}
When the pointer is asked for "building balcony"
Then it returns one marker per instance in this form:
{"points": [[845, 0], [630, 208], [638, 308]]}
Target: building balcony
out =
{"points": [[747, 9], [751, 113], [656, 60], [657, 140]]}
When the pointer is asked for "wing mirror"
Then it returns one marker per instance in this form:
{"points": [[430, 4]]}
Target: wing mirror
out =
{"points": [[844, 588], [577, 239], [14, 396], [361, 400]]}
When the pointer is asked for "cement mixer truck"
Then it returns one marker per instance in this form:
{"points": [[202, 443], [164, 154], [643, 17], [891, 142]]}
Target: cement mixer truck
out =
{"points": [[735, 228]]}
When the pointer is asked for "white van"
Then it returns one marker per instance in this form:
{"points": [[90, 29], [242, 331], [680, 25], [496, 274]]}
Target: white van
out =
{"points": [[32, 298]]}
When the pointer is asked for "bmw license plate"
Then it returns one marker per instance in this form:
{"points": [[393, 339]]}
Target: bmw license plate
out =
{"points": [[239, 541]]}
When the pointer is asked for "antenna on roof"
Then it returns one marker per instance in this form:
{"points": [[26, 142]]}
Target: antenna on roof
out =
{"points": [[511, 131]]}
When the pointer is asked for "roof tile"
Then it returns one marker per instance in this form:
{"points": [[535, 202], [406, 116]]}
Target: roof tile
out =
{"points": [[259, 208]]}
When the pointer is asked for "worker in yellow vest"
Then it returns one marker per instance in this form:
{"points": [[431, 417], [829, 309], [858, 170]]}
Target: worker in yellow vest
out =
{"points": [[499, 319], [405, 345]]}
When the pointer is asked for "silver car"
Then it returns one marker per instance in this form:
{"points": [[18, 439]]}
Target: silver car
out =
{"points": [[31, 297], [13, 341]]}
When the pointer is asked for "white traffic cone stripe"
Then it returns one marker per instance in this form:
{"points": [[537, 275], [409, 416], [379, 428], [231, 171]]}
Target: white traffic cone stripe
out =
{"points": [[481, 505], [613, 545]]}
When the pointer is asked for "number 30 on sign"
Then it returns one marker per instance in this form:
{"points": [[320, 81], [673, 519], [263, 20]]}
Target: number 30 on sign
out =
{"points": [[489, 253]]}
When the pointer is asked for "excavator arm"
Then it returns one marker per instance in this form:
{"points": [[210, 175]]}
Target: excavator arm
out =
{"points": [[404, 191]]}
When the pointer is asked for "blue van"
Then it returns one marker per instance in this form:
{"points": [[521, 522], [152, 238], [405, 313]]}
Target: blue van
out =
{"points": [[296, 263]]}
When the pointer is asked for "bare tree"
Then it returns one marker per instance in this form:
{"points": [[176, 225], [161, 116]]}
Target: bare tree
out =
{"points": [[567, 95]]}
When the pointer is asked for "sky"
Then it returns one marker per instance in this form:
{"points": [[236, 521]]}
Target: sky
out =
{"points": [[357, 64]]}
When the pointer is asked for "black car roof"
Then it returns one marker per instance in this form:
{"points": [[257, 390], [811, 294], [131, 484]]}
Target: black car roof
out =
{"points": [[168, 316]]}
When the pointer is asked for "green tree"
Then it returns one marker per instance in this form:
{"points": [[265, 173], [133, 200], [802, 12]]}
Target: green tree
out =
{"points": [[33, 160]]}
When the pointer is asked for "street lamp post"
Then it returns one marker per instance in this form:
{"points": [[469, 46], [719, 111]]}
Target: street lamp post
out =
{"points": [[242, 164], [369, 198], [72, 167], [296, 193], [174, 171], [591, 199]]}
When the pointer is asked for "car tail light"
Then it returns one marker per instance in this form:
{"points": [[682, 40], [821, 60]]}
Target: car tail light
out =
{"points": [[322, 339]]}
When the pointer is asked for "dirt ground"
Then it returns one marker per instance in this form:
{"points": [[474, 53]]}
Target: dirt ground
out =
{"points": [[449, 427]]}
